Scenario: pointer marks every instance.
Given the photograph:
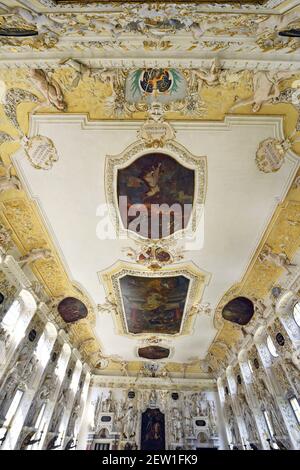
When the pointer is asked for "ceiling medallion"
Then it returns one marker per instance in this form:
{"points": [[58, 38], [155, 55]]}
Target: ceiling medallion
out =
{"points": [[151, 304]]}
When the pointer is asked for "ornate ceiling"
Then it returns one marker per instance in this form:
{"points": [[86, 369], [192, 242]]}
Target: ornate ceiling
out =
{"points": [[191, 105]]}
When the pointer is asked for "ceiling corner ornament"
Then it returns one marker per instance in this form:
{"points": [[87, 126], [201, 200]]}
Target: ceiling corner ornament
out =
{"points": [[271, 153], [40, 150], [152, 305], [160, 133]]}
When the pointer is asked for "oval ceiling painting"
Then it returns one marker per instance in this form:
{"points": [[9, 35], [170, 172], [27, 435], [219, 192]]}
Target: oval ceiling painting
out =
{"points": [[153, 352], [239, 310], [72, 309], [154, 305], [155, 195]]}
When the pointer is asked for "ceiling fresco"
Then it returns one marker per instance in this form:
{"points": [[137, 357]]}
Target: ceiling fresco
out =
{"points": [[151, 181], [154, 305], [196, 66]]}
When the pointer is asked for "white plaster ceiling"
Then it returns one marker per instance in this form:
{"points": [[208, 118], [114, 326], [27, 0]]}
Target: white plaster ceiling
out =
{"points": [[240, 201]]}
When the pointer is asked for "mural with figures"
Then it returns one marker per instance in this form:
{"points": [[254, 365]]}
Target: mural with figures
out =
{"points": [[154, 305], [152, 180]]}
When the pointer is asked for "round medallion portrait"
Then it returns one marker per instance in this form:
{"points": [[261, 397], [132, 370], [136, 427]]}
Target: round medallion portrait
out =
{"points": [[280, 339], [32, 335], [72, 309]]}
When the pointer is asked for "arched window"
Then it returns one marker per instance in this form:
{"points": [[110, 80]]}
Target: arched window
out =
{"points": [[271, 347], [12, 315], [296, 313]]}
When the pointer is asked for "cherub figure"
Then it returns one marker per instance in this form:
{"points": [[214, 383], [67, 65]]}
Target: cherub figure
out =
{"points": [[8, 181], [210, 77], [49, 88], [34, 255], [280, 260], [265, 89]]}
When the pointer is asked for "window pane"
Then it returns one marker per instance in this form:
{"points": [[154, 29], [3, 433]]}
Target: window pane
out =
{"points": [[296, 408], [296, 313], [13, 407], [271, 347]]}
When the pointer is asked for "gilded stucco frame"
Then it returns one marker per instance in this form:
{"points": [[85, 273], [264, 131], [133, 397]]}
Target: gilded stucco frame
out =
{"points": [[110, 280], [114, 163]]}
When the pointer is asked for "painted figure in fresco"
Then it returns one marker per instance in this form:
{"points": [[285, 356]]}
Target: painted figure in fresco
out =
{"points": [[129, 420], [151, 179], [177, 428]]}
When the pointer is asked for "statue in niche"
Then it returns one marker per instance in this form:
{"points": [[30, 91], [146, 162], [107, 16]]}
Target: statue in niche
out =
{"points": [[107, 404], [268, 404], [17, 376], [248, 420], [73, 418], [4, 341], [129, 420], [187, 416], [60, 407], [232, 426], [212, 416], [43, 395], [177, 428], [152, 398]]}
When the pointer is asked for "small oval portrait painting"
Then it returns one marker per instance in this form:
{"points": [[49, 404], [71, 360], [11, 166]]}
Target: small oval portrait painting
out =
{"points": [[72, 309], [239, 310], [153, 352]]}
